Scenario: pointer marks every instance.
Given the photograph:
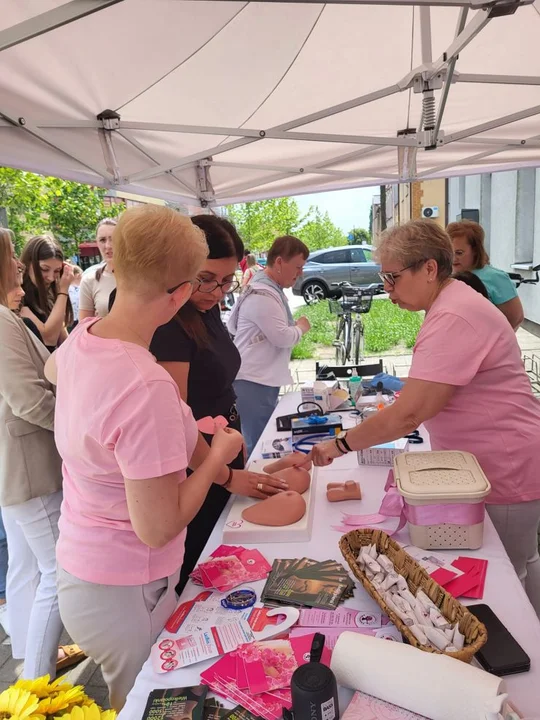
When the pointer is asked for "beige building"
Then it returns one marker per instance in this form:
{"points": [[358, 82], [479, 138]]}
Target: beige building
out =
{"points": [[410, 201]]}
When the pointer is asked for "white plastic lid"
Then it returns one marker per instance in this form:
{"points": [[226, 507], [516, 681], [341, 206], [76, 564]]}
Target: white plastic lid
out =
{"points": [[442, 475]]}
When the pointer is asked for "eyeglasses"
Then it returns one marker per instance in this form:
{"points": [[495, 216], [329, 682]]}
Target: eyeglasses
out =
{"points": [[391, 277], [208, 286], [184, 282]]}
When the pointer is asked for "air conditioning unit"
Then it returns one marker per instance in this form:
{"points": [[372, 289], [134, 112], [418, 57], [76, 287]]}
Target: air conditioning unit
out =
{"points": [[430, 212]]}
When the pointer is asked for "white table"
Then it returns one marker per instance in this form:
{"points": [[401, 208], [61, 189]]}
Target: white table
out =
{"points": [[503, 591]]}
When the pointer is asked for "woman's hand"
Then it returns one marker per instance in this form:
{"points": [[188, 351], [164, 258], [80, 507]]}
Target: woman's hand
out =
{"points": [[227, 443], [324, 453], [255, 485], [65, 280]]}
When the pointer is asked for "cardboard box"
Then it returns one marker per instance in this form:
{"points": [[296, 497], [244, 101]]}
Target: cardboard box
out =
{"points": [[332, 426], [383, 454]]}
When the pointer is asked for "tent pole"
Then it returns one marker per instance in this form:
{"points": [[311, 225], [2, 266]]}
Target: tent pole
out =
{"points": [[449, 76], [50, 20]]}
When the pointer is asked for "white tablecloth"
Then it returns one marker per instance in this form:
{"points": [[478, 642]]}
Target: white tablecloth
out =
{"points": [[503, 591]]}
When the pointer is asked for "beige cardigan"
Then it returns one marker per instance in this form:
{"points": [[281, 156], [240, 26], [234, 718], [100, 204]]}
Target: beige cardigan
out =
{"points": [[29, 462]]}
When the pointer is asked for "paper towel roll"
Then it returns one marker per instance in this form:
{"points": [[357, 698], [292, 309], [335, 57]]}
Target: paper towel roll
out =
{"points": [[436, 686]]}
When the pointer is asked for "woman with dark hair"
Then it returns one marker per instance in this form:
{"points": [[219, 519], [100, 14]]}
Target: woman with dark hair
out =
{"points": [[46, 282], [473, 281], [265, 333], [197, 351], [470, 255]]}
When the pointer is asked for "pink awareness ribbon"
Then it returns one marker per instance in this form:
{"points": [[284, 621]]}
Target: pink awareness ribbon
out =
{"points": [[393, 505]]}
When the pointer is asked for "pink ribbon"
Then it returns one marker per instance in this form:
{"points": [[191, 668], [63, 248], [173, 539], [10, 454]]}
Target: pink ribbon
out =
{"points": [[393, 505]]}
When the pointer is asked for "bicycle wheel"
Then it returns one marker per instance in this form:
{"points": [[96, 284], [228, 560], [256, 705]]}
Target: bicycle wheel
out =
{"points": [[338, 342], [358, 342], [347, 339]]}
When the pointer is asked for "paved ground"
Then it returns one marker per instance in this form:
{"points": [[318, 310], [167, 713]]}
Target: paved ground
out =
{"points": [[87, 673]]}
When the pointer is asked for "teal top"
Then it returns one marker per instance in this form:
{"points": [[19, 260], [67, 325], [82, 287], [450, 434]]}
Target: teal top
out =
{"points": [[499, 286]]}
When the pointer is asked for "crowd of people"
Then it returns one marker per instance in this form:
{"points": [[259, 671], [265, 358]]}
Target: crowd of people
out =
{"points": [[108, 489]]}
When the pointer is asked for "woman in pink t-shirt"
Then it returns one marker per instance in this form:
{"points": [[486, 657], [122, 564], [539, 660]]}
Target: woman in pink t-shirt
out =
{"points": [[126, 439], [467, 384]]}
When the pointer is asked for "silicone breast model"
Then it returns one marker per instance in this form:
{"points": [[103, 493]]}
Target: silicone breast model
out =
{"points": [[296, 478], [350, 490], [285, 508], [287, 462]]}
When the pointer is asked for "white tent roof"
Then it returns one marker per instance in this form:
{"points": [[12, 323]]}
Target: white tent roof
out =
{"points": [[220, 101]]}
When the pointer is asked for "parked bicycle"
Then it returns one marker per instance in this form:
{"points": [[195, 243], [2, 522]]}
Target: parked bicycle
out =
{"points": [[349, 341]]}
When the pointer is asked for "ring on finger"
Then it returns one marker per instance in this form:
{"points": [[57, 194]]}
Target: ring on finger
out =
{"points": [[259, 487]]}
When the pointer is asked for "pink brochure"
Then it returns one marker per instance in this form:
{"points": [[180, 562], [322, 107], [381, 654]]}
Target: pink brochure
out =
{"points": [[270, 665], [366, 707], [340, 618], [331, 635]]}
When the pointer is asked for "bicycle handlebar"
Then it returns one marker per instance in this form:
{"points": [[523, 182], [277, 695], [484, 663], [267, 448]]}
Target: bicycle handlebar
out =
{"points": [[520, 280]]}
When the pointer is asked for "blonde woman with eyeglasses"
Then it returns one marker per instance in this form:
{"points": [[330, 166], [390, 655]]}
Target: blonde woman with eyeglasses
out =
{"points": [[126, 442]]}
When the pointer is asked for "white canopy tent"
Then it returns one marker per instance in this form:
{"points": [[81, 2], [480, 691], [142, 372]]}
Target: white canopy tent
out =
{"points": [[218, 101]]}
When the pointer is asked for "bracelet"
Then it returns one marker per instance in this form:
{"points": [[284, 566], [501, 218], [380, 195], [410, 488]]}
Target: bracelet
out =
{"points": [[229, 479], [343, 452], [62, 293]]}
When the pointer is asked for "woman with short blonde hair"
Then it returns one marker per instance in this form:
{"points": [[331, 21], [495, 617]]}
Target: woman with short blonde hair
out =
{"points": [[126, 439], [467, 385]]}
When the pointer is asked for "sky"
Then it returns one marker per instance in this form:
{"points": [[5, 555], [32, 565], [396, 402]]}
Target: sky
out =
{"points": [[347, 208]]}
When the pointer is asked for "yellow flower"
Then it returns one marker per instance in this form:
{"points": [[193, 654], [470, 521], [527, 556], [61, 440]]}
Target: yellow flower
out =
{"points": [[42, 687], [18, 704], [88, 712], [61, 700]]}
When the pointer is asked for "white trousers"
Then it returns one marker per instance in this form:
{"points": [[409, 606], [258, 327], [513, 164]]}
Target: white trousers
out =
{"points": [[33, 614], [116, 625], [518, 527]]}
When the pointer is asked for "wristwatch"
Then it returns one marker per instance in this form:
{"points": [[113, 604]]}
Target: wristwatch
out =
{"points": [[342, 438]]}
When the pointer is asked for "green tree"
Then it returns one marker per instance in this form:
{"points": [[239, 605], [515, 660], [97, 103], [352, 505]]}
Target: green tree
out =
{"points": [[21, 194], [320, 232], [74, 211], [360, 236], [260, 222], [35, 204]]}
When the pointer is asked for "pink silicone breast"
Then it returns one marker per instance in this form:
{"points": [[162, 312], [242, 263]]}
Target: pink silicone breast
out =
{"points": [[296, 478], [288, 461], [285, 508]]}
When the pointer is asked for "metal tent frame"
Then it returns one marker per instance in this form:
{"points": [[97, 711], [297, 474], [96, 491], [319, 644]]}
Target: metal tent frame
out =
{"points": [[433, 80]]}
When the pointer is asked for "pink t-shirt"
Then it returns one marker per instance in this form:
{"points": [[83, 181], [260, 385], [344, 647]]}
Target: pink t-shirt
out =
{"points": [[467, 342], [118, 414]]}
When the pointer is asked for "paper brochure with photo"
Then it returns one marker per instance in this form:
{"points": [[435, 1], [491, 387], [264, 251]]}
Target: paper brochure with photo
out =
{"points": [[176, 704], [170, 653], [226, 571], [258, 676]]}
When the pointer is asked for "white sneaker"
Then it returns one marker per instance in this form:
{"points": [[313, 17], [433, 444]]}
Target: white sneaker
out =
{"points": [[4, 618]]}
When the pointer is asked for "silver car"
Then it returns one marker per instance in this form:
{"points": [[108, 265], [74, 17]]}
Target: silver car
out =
{"points": [[351, 263]]}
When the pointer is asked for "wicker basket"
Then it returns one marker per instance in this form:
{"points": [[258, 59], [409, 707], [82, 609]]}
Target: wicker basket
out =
{"points": [[474, 631]]}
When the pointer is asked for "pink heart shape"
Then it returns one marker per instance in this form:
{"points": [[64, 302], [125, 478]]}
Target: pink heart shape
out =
{"points": [[209, 425]]}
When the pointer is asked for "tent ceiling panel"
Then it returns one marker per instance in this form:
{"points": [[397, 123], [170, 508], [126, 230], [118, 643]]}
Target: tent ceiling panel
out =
{"points": [[239, 100]]}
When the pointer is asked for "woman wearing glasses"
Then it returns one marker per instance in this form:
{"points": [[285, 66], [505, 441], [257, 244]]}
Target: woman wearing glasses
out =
{"points": [[197, 351], [467, 384]]}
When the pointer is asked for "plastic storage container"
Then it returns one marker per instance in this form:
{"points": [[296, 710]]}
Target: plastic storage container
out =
{"points": [[443, 493]]}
